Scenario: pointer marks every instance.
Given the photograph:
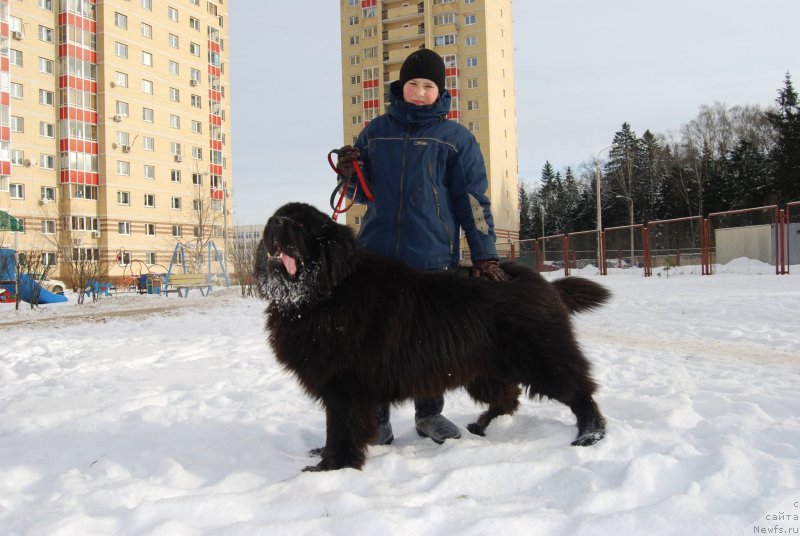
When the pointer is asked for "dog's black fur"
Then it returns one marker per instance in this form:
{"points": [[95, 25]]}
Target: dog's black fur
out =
{"points": [[358, 329]]}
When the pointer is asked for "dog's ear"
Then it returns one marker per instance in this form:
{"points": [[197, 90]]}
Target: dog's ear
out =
{"points": [[261, 266], [338, 248]]}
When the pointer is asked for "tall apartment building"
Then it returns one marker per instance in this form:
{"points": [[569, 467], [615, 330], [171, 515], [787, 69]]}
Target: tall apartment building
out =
{"points": [[114, 127], [475, 39]]}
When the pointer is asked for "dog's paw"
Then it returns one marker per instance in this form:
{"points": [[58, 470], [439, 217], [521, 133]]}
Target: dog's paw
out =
{"points": [[587, 439], [477, 429]]}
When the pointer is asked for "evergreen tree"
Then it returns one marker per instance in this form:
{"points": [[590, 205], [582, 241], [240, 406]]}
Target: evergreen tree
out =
{"points": [[744, 177], [526, 222], [785, 156]]}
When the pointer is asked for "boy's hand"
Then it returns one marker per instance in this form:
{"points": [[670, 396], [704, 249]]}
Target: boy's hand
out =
{"points": [[490, 269], [345, 162]]}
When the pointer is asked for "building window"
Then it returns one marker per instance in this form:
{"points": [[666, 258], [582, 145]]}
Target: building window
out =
{"points": [[121, 49], [149, 171], [197, 205], [47, 130], [474, 126], [370, 31], [17, 191], [352, 21], [355, 79], [123, 168], [46, 4], [150, 257], [194, 74], [172, 40], [177, 231], [469, 19], [197, 127], [17, 124], [147, 87], [194, 23], [16, 90], [47, 161], [174, 94], [121, 79], [147, 59], [444, 18], [175, 203], [15, 57], [46, 97], [48, 227], [147, 31], [472, 105], [355, 59], [122, 109], [172, 14], [150, 229], [197, 101], [17, 159], [472, 62], [355, 119], [353, 39], [197, 153], [174, 67], [148, 143], [174, 121], [45, 34], [147, 115], [150, 200], [175, 175], [174, 148], [46, 66], [147, 4], [472, 83], [48, 193], [471, 41], [194, 49], [124, 198], [444, 40], [197, 179], [121, 21], [124, 228], [355, 99]]}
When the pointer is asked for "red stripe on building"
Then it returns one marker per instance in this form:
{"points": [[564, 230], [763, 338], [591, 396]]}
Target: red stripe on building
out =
{"points": [[366, 84], [5, 168], [452, 71]]}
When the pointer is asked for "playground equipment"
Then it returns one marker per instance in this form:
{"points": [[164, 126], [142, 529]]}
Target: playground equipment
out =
{"points": [[183, 281], [29, 288]]}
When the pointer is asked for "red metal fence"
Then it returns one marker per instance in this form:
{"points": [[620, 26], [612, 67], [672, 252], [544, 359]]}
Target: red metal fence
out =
{"points": [[767, 234]]}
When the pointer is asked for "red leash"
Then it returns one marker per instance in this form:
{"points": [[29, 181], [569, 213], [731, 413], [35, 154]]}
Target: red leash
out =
{"points": [[343, 187]]}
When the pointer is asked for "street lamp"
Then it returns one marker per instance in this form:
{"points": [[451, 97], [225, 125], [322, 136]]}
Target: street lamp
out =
{"points": [[597, 178], [630, 215]]}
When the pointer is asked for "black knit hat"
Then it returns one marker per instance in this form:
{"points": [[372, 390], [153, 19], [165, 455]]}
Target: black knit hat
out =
{"points": [[424, 63]]}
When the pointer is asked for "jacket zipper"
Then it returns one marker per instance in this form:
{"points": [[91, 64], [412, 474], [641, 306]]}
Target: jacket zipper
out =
{"points": [[402, 185], [438, 208]]}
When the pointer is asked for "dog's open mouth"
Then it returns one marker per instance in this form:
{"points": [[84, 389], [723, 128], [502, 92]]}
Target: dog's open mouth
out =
{"points": [[289, 263]]}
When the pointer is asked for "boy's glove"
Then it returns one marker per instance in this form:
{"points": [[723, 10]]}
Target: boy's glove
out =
{"points": [[490, 269], [345, 162]]}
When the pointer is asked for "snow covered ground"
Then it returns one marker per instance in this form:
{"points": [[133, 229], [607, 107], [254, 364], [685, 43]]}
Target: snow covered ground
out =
{"points": [[153, 415]]}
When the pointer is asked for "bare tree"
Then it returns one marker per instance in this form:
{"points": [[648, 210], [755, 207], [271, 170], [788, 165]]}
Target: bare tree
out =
{"points": [[242, 256]]}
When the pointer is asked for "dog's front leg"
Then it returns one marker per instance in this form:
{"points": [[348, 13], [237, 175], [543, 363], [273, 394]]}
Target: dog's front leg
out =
{"points": [[350, 426]]}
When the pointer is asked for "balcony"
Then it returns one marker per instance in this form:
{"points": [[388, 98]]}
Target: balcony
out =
{"points": [[403, 13]]}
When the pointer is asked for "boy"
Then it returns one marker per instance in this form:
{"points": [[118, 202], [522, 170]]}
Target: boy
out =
{"points": [[429, 182]]}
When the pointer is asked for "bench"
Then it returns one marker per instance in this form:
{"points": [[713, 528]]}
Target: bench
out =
{"points": [[185, 282]]}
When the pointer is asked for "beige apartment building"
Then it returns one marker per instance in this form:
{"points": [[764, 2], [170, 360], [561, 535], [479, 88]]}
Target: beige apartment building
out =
{"points": [[475, 39], [115, 129]]}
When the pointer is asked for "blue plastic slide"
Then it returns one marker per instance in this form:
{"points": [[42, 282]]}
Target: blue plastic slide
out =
{"points": [[28, 286]]}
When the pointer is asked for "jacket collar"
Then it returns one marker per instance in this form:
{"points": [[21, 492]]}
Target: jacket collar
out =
{"points": [[411, 114]]}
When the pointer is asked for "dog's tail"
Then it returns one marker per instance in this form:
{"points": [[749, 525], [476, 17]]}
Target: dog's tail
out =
{"points": [[580, 294]]}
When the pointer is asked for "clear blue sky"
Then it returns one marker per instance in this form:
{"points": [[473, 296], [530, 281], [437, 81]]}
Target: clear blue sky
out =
{"points": [[582, 69]]}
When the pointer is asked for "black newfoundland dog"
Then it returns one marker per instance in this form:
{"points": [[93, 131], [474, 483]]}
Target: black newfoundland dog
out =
{"points": [[358, 329]]}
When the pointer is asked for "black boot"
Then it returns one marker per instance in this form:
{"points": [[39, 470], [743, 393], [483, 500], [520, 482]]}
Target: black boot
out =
{"points": [[430, 421], [385, 435]]}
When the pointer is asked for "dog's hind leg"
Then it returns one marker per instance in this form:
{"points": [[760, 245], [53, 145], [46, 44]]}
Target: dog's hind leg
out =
{"points": [[591, 423], [503, 399]]}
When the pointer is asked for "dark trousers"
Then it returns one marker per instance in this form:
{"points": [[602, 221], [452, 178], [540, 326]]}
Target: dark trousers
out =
{"points": [[423, 407]]}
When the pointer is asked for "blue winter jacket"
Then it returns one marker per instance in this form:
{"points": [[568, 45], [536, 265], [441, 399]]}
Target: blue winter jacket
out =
{"points": [[429, 179]]}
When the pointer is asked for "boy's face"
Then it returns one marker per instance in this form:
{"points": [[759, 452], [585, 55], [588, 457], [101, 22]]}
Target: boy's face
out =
{"points": [[420, 91]]}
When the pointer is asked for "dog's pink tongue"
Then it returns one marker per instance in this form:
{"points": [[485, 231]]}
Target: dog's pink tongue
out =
{"points": [[289, 263]]}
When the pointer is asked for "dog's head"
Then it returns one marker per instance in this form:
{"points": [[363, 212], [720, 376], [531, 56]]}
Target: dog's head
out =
{"points": [[303, 255]]}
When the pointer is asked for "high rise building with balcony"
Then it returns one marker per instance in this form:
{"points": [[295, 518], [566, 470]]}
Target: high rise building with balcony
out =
{"points": [[475, 39], [114, 128]]}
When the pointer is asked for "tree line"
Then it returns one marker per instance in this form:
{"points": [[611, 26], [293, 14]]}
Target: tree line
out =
{"points": [[726, 158]]}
